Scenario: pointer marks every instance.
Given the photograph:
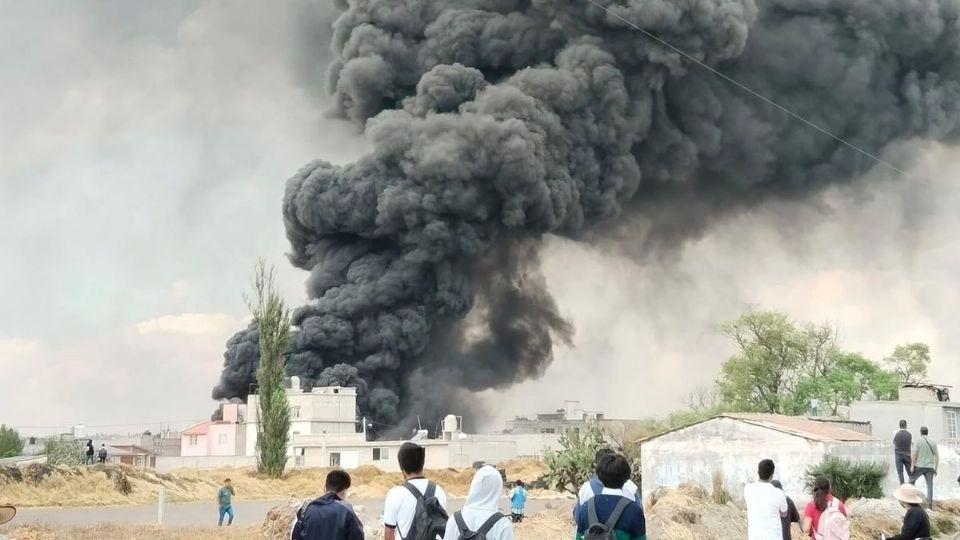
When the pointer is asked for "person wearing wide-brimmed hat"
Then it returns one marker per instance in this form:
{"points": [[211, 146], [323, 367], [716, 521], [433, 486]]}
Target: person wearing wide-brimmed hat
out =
{"points": [[6, 514], [916, 524]]}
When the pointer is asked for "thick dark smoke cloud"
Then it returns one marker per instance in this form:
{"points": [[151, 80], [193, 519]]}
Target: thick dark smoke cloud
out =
{"points": [[495, 122]]}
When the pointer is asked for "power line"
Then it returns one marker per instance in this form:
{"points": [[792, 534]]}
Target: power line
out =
{"points": [[745, 88]]}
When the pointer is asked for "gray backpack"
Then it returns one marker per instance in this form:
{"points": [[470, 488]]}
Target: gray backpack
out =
{"points": [[597, 530], [479, 534], [429, 519]]}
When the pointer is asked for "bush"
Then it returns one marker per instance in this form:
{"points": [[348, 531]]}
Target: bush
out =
{"points": [[941, 524], [64, 452], [570, 467], [850, 479]]}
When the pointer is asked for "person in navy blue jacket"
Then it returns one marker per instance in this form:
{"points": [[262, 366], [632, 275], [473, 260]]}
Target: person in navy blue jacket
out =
{"points": [[328, 517]]}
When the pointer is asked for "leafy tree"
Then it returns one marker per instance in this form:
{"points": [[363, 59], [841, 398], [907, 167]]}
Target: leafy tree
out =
{"points": [[10, 442], [910, 361], [272, 318], [848, 479], [572, 465], [774, 356]]}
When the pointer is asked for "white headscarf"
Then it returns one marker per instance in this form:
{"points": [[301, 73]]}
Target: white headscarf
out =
{"points": [[483, 501]]}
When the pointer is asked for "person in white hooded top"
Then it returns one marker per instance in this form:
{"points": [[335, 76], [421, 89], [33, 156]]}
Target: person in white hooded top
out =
{"points": [[482, 503]]}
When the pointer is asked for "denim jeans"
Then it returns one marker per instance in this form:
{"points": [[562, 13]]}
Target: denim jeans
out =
{"points": [[226, 510], [927, 475], [902, 461]]}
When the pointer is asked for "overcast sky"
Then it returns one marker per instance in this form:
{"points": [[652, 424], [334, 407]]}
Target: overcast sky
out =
{"points": [[143, 153]]}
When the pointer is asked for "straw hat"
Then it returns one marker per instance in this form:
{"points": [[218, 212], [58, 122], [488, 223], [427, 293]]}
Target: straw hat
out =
{"points": [[7, 513], [908, 494]]}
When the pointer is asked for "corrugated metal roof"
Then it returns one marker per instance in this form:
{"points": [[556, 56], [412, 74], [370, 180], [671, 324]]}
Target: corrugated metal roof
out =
{"points": [[797, 426], [802, 427]]}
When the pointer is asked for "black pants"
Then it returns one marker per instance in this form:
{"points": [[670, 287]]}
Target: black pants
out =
{"points": [[927, 475], [517, 518], [902, 461]]}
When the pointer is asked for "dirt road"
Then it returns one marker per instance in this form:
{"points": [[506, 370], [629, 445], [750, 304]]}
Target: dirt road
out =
{"points": [[247, 512]]}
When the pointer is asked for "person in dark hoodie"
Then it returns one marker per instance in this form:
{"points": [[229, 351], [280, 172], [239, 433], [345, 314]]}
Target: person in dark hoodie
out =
{"points": [[793, 516], [329, 517]]}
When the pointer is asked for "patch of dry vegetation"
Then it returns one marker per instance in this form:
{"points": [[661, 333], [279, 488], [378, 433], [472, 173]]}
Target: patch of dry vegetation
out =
{"points": [[47, 485], [125, 532]]}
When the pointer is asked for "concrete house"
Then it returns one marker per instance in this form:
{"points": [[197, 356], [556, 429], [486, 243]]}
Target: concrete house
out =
{"points": [[733, 445], [920, 405], [225, 437]]}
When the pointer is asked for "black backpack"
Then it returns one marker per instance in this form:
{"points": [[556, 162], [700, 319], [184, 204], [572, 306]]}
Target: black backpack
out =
{"points": [[479, 534], [429, 519], [597, 530]]}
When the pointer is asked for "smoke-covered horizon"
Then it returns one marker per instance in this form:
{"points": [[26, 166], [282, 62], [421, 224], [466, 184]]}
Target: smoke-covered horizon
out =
{"points": [[496, 122]]}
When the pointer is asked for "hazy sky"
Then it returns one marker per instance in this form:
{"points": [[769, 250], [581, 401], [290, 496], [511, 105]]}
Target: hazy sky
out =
{"points": [[143, 153]]}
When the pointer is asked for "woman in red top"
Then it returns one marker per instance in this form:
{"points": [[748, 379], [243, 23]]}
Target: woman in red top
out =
{"points": [[821, 499]]}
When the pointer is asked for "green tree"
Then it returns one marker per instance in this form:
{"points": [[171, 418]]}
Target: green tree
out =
{"points": [[272, 318], [63, 452], [573, 464], [10, 442], [910, 361], [774, 356], [851, 377]]}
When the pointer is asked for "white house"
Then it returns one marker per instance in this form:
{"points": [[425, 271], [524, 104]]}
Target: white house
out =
{"points": [[734, 444], [324, 410], [920, 405]]}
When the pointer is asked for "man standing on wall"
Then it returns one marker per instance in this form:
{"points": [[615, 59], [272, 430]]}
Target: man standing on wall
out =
{"points": [[926, 461], [902, 447]]}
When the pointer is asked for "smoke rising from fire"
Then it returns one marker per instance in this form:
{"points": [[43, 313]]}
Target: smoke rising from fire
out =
{"points": [[496, 122]]}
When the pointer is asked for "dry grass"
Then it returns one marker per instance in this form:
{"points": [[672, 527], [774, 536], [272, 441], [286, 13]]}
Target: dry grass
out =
{"points": [[552, 523], [96, 486], [125, 532]]}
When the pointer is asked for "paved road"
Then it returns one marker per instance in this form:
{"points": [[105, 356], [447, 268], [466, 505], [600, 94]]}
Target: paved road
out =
{"points": [[200, 513]]}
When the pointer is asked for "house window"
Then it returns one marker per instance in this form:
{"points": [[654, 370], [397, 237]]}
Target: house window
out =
{"points": [[295, 412], [952, 428], [334, 459], [380, 454], [222, 439], [192, 440]]}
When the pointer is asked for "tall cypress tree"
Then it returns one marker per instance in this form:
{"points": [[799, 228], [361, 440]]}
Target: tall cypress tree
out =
{"points": [[272, 318]]}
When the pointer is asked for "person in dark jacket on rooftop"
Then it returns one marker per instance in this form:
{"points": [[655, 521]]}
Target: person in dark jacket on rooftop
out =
{"points": [[328, 517]]}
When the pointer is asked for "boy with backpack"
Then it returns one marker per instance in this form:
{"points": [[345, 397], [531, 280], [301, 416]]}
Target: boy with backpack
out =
{"points": [[415, 510], [612, 514], [593, 487], [480, 518], [329, 517]]}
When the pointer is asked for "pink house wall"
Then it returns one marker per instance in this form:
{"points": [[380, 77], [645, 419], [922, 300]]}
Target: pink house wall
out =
{"points": [[200, 449]]}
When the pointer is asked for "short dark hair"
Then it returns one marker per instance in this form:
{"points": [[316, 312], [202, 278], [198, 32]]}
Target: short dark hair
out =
{"points": [[337, 481], [519, 483], [602, 452], [613, 471], [765, 469], [924, 431], [411, 457], [903, 424], [226, 479]]}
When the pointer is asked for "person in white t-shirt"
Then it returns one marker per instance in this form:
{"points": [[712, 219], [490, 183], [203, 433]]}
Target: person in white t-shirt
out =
{"points": [[401, 505], [593, 487], [765, 505]]}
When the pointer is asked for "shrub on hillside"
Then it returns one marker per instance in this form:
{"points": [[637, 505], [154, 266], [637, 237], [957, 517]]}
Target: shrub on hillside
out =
{"points": [[64, 452], [11, 444], [850, 479]]}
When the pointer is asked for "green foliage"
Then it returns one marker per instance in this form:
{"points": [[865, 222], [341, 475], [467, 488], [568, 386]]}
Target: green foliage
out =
{"points": [[942, 524], [273, 323], [10, 443], [64, 452], [910, 361], [781, 366], [572, 465], [849, 479]]}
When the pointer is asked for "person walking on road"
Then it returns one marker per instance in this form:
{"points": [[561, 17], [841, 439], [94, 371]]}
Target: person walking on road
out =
{"points": [[902, 448], [765, 505], [225, 500], [329, 517], [518, 501], [926, 461]]}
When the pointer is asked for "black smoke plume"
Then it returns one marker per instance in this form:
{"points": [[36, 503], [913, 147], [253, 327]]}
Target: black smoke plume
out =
{"points": [[496, 122]]}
